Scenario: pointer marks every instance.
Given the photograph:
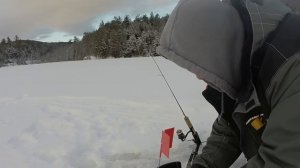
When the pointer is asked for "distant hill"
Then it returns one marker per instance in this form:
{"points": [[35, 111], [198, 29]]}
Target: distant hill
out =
{"points": [[117, 38], [27, 52]]}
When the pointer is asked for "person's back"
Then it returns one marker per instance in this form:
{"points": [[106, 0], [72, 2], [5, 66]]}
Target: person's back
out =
{"points": [[249, 54]]}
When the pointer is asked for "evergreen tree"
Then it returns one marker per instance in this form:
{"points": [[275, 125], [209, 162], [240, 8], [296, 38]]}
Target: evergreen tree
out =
{"points": [[8, 40], [101, 25], [117, 20], [145, 18], [3, 41], [76, 39], [17, 38], [152, 18], [127, 20], [138, 18], [157, 20]]}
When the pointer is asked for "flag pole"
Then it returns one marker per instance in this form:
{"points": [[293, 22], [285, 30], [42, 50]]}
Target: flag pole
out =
{"points": [[160, 150], [159, 162]]}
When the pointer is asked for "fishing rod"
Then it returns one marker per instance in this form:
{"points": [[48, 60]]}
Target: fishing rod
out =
{"points": [[180, 134]]}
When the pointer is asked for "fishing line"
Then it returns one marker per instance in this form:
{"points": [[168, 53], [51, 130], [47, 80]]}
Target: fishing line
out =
{"points": [[168, 85]]}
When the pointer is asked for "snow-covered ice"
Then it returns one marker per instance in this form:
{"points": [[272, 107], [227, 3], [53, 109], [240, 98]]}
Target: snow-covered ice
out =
{"points": [[97, 113]]}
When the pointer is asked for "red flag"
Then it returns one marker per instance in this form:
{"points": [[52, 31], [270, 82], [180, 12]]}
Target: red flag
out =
{"points": [[170, 132], [166, 142]]}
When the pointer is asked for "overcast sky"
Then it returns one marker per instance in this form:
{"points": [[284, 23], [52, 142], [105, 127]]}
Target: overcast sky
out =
{"points": [[60, 20]]}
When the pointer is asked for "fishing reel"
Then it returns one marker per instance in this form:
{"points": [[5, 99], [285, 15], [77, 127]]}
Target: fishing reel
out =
{"points": [[183, 136]]}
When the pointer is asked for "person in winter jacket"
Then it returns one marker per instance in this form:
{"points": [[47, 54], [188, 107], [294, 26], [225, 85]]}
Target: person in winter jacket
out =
{"points": [[248, 52]]}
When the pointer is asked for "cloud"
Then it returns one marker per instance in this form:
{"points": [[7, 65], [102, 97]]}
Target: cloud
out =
{"points": [[32, 18], [55, 37]]}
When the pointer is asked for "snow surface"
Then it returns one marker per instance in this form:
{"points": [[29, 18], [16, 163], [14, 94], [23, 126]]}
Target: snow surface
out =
{"points": [[97, 113]]}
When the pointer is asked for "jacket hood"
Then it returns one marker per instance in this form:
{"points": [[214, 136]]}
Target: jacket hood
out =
{"points": [[265, 16], [206, 37]]}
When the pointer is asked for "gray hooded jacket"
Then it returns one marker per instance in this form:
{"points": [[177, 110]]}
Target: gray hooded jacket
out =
{"points": [[206, 37]]}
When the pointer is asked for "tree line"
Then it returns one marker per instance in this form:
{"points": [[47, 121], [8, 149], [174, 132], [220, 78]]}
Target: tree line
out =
{"points": [[120, 37], [124, 37]]}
